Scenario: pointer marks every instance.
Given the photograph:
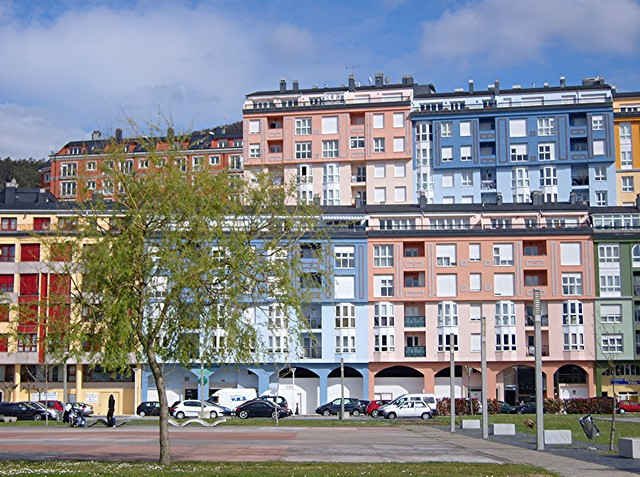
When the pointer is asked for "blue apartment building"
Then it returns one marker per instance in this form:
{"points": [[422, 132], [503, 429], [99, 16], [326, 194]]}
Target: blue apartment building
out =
{"points": [[521, 145]]}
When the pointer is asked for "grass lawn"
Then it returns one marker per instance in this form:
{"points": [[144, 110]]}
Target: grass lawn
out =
{"points": [[267, 469], [568, 421]]}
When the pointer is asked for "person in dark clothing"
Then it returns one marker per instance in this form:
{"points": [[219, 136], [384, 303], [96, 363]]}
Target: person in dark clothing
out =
{"points": [[111, 410]]}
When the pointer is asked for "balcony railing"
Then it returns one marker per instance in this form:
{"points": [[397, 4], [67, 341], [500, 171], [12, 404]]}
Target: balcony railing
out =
{"points": [[414, 321], [530, 320], [532, 352], [415, 351]]}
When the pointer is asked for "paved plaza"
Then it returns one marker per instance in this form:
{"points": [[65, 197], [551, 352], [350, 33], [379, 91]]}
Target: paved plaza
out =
{"points": [[301, 444]]}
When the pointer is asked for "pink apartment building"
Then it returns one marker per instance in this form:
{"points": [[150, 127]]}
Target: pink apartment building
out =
{"points": [[342, 146], [435, 271]]}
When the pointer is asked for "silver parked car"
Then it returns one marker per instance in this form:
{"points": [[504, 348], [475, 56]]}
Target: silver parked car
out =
{"points": [[407, 409]]}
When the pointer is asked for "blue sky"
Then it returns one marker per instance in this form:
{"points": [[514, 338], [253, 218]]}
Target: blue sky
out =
{"points": [[68, 67]]}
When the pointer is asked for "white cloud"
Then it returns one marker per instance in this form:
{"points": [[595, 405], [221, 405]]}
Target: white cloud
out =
{"points": [[508, 32], [98, 66]]}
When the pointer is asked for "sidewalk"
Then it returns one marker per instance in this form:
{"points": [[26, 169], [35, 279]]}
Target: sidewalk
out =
{"points": [[549, 459]]}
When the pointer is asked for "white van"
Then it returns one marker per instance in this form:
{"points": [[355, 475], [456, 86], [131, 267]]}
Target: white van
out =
{"points": [[233, 397], [428, 399]]}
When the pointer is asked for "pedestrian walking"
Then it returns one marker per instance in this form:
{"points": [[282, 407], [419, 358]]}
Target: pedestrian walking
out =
{"points": [[111, 410]]}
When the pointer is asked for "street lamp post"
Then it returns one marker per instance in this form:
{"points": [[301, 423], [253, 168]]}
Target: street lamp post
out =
{"points": [[341, 388], [452, 388], [483, 370], [537, 321]]}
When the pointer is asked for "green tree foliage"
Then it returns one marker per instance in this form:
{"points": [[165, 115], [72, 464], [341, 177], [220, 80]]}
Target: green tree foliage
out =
{"points": [[176, 256], [24, 171]]}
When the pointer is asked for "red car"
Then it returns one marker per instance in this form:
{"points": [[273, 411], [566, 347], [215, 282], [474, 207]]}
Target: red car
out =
{"points": [[57, 405], [628, 406], [372, 408]]}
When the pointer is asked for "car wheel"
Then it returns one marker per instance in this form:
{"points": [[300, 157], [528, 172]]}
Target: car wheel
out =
{"points": [[326, 412], [213, 415], [142, 414], [621, 411], [374, 413], [180, 415], [391, 415], [243, 414], [355, 412], [37, 417], [426, 416]]}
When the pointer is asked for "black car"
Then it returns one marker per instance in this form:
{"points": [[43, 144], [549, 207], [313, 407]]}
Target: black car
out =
{"points": [[353, 406], [22, 411], [279, 400], [260, 408], [148, 408], [527, 408]]}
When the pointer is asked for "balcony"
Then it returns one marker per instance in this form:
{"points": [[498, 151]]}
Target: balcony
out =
{"points": [[304, 179], [529, 320], [415, 351], [359, 179], [489, 185], [532, 352], [414, 321]]}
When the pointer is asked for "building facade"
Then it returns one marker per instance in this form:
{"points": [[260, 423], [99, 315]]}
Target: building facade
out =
{"points": [[626, 107], [498, 145]]}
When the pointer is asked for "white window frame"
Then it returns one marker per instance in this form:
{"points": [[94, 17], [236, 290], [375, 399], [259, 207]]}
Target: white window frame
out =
{"points": [[383, 255], [572, 284], [303, 127]]}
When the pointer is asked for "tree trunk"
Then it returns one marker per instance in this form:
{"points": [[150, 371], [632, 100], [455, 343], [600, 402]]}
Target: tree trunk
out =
{"points": [[156, 370]]}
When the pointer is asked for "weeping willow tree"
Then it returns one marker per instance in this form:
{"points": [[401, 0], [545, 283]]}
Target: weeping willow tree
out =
{"points": [[176, 256]]}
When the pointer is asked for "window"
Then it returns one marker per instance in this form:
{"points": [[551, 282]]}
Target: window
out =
{"points": [[383, 315], [475, 311], [8, 223], [627, 183], [505, 342], [519, 178], [303, 126], [546, 126], [445, 129], [609, 253], [344, 257], [635, 255], [380, 195], [517, 128], [447, 180], [378, 121], [475, 282], [597, 122], [600, 173], [466, 178], [610, 284], [400, 194], [330, 148], [446, 285], [254, 150], [572, 313], [345, 315], [518, 152], [196, 163], [379, 171], [625, 132], [601, 198], [598, 148], [446, 255], [475, 343], [331, 197], [254, 126], [41, 223], [505, 313], [91, 166], [611, 343], [383, 255], [398, 120], [503, 284], [573, 341], [356, 142], [383, 285], [30, 252], [214, 160], [378, 144], [68, 169], [465, 153], [330, 125], [398, 144], [399, 170], [7, 253], [330, 174], [546, 151], [143, 163], [626, 161], [235, 163], [444, 341], [384, 342], [465, 128], [611, 313], [572, 283], [68, 188], [446, 154], [447, 313], [474, 252], [27, 343], [570, 254], [303, 150], [503, 254]]}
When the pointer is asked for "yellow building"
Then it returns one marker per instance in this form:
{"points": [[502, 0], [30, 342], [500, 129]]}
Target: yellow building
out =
{"points": [[626, 107], [28, 274]]}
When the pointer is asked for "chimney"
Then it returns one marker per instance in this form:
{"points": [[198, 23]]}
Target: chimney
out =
{"points": [[407, 80], [470, 86], [545, 84], [10, 192], [352, 82], [563, 82], [379, 79], [283, 85], [95, 135], [118, 134], [295, 86], [496, 86]]}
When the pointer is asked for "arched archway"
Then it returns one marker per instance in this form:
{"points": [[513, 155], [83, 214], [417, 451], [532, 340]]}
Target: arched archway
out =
{"points": [[300, 387], [517, 383], [394, 381], [467, 382], [571, 381], [353, 384]]}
